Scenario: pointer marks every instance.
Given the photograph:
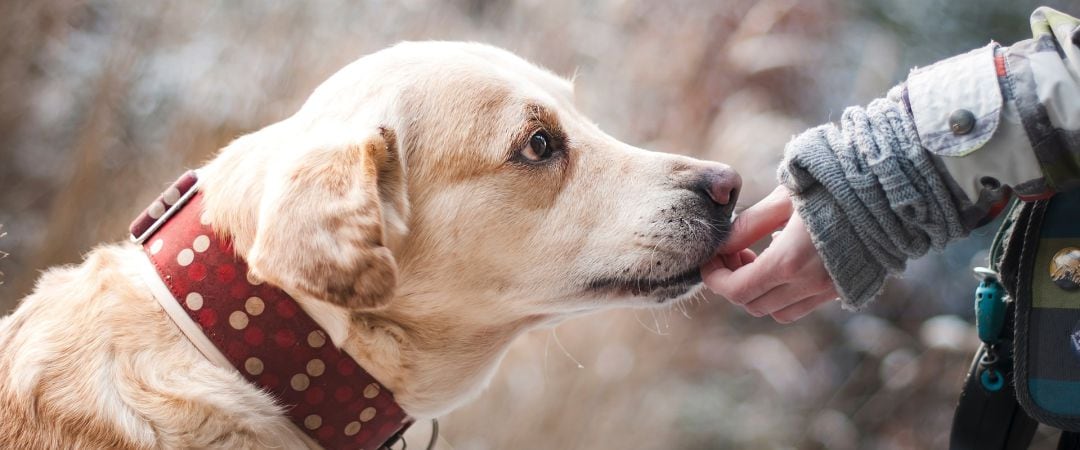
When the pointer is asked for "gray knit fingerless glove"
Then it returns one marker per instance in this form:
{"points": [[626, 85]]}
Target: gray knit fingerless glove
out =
{"points": [[870, 196]]}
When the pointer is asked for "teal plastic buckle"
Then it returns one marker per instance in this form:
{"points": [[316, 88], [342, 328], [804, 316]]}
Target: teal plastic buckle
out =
{"points": [[989, 306]]}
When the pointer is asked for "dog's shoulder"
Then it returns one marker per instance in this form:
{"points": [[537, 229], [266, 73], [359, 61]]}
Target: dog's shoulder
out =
{"points": [[90, 359]]}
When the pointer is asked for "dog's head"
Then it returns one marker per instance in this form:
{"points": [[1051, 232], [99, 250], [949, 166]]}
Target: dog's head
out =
{"points": [[463, 170]]}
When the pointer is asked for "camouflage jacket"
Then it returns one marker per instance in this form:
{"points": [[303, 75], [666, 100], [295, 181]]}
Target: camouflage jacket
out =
{"points": [[941, 154], [1006, 120], [1005, 117]]}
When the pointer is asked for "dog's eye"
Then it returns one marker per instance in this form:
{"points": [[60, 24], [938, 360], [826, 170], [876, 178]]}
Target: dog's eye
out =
{"points": [[539, 147]]}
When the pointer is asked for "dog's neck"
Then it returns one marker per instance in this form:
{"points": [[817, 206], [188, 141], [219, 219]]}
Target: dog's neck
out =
{"points": [[434, 360], [432, 357]]}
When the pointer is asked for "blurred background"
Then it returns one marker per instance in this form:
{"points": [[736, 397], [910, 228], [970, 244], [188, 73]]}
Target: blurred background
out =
{"points": [[105, 102]]}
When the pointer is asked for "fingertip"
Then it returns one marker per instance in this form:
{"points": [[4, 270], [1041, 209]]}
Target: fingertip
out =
{"points": [[759, 220], [742, 232], [789, 314], [780, 193], [714, 277], [747, 256], [753, 312], [712, 264], [729, 262]]}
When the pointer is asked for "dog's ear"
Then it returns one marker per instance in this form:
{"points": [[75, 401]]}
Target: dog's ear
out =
{"points": [[325, 222]]}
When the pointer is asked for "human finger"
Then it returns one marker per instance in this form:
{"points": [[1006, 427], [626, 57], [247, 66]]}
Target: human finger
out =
{"points": [[801, 309], [747, 256], [781, 297], [758, 220], [740, 286], [734, 261]]}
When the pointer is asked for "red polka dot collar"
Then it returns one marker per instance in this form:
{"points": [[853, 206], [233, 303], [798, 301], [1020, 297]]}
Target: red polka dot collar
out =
{"points": [[259, 329]]}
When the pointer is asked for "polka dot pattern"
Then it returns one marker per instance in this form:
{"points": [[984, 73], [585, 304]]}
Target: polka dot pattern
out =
{"points": [[194, 301], [201, 243], [156, 210], [253, 365], [254, 306], [316, 339], [185, 257], [156, 246], [367, 414], [171, 195], [161, 205], [265, 335], [253, 280], [352, 428], [371, 391], [300, 382], [315, 367], [238, 320]]}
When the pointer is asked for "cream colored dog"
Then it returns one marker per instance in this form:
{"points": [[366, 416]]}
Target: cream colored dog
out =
{"points": [[428, 204]]}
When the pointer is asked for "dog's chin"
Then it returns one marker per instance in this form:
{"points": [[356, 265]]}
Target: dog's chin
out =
{"points": [[675, 294], [655, 291]]}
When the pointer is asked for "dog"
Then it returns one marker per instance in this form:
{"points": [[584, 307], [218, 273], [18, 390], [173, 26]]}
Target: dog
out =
{"points": [[428, 203]]}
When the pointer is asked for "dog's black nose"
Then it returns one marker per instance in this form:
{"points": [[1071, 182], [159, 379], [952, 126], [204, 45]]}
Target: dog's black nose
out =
{"points": [[721, 184]]}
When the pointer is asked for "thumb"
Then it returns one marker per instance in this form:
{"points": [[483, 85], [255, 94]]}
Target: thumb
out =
{"points": [[759, 220]]}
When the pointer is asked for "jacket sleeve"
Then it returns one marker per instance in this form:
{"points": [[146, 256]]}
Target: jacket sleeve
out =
{"points": [[939, 155], [1003, 120]]}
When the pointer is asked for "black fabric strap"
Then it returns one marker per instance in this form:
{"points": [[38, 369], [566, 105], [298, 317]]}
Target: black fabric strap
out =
{"points": [[990, 420], [1069, 441], [994, 420]]}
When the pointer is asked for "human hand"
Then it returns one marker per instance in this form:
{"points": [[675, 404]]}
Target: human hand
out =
{"points": [[787, 281]]}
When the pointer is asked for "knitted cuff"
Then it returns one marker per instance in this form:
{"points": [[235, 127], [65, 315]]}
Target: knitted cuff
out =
{"points": [[858, 277], [870, 195]]}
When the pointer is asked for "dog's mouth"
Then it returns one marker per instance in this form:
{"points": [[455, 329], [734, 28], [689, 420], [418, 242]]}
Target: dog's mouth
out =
{"points": [[672, 268], [662, 289]]}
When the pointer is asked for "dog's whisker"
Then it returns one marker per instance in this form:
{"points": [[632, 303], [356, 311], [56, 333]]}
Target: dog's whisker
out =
{"points": [[709, 225], [681, 307], [701, 297], [656, 322], [565, 352], [547, 346], [643, 325]]}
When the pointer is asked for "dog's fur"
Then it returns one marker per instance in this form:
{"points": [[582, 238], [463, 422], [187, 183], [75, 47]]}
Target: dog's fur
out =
{"points": [[396, 208]]}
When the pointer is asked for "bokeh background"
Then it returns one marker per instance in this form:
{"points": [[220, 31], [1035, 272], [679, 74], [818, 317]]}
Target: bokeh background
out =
{"points": [[104, 102]]}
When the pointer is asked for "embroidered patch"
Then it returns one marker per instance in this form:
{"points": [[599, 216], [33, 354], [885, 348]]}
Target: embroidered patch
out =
{"points": [[1065, 268]]}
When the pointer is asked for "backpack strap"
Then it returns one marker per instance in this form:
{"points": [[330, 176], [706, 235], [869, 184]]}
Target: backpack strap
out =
{"points": [[988, 416]]}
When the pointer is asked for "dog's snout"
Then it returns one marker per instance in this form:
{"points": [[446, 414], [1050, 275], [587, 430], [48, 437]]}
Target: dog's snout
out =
{"points": [[721, 184]]}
